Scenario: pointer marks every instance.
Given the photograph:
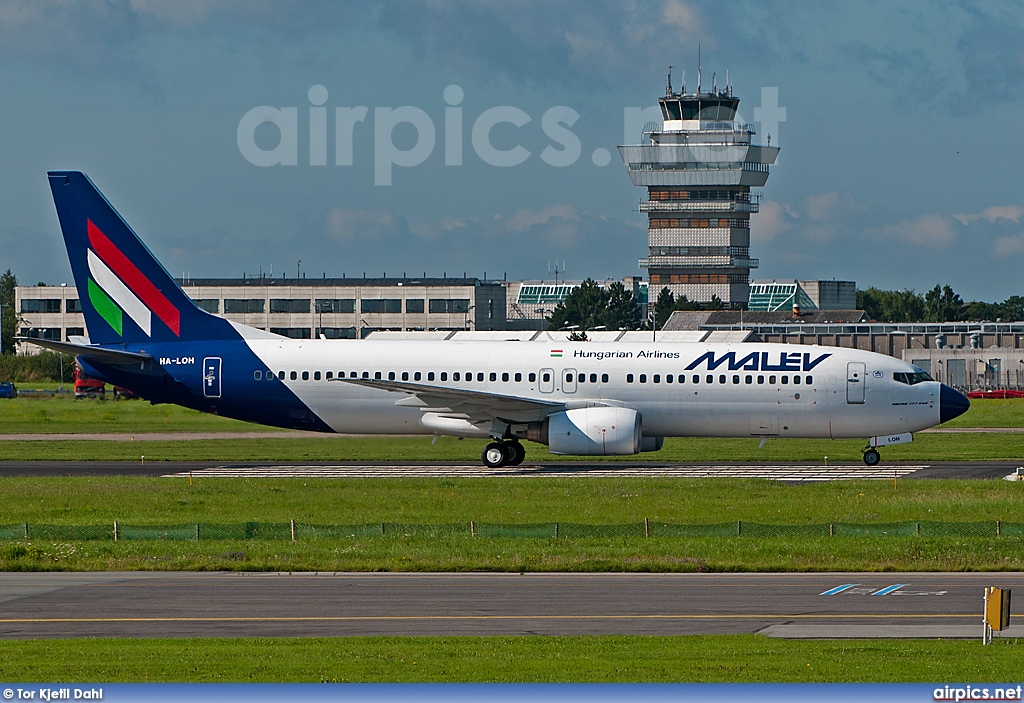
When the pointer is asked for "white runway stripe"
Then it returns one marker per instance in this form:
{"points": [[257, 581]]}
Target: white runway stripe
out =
{"points": [[775, 473]]}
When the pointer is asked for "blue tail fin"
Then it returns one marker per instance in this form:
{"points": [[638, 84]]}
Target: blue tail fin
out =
{"points": [[126, 295]]}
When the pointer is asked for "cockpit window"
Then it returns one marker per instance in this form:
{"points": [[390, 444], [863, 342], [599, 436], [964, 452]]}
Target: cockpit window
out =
{"points": [[911, 379]]}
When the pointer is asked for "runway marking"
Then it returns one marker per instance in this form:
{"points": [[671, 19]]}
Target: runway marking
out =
{"points": [[837, 589], [889, 589], [401, 618], [775, 473]]}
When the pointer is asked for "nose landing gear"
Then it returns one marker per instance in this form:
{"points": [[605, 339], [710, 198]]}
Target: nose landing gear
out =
{"points": [[498, 454], [871, 457]]}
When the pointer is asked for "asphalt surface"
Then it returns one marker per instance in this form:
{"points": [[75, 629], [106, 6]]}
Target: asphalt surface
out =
{"points": [[917, 470], [154, 604]]}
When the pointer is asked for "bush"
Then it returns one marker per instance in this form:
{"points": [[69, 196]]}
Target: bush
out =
{"points": [[44, 366]]}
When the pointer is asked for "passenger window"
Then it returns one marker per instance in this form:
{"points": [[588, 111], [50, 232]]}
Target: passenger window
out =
{"points": [[417, 376], [629, 378], [771, 379], [518, 377], [391, 375], [377, 375], [736, 378], [329, 375], [353, 374], [316, 375], [657, 378], [430, 375], [568, 378], [682, 378], [748, 379], [504, 377], [456, 376], [480, 377], [532, 377], [593, 378], [405, 375], [305, 375], [643, 378], [293, 375], [709, 378], [444, 375], [280, 375], [696, 378], [796, 380], [604, 378], [668, 378], [721, 378], [760, 380], [545, 378], [785, 380], [257, 375], [494, 376], [366, 374], [809, 380]]}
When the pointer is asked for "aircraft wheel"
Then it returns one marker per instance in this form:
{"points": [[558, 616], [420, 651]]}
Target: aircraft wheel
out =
{"points": [[871, 457], [516, 453], [495, 455]]}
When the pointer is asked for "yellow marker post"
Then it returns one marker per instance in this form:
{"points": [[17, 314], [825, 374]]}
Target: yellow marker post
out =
{"points": [[997, 612]]}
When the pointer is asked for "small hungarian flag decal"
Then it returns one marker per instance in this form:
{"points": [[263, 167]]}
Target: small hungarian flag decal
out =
{"points": [[556, 352]]}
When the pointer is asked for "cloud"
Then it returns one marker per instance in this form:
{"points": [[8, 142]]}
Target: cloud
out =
{"points": [[926, 230], [772, 220], [349, 224], [1009, 246], [994, 212]]}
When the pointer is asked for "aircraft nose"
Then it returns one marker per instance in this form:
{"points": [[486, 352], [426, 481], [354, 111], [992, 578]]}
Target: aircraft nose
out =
{"points": [[952, 403]]}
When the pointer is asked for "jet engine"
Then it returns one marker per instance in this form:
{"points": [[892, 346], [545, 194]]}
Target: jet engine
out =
{"points": [[586, 431]]}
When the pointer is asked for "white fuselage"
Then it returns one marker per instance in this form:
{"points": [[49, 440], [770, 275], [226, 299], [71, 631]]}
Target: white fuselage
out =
{"points": [[680, 390]]}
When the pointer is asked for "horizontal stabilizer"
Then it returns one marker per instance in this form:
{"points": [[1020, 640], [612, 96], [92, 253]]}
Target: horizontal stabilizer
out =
{"points": [[87, 351]]}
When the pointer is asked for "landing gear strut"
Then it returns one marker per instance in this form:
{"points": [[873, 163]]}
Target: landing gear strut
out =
{"points": [[871, 457], [498, 454]]}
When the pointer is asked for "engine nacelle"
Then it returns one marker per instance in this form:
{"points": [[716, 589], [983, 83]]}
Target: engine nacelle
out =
{"points": [[594, 432]]}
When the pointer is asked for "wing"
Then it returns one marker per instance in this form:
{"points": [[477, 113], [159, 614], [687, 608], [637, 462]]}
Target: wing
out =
{"points": [[455, 402], [87, 351]]}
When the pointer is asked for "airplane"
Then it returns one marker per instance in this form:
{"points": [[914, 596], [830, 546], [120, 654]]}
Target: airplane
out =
{"points": [[578, 398]]}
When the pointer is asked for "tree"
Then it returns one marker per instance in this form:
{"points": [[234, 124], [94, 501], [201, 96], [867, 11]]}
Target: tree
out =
{"points": [[621, 311], [941, 304], [663, 307], [583, 307], [891, 305], [1011, 309], [714, 304], [8, 315]]}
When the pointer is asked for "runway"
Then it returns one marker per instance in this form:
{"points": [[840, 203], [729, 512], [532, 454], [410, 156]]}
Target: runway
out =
{"points": [[155, 604], [605, 469]]}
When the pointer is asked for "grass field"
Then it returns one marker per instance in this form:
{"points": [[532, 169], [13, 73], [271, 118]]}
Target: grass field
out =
{"points": [[734, 658], [688, 450], [154, 501], [48, 414]]}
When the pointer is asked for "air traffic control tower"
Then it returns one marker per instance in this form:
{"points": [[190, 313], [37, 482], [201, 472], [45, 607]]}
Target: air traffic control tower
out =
{"points": [[698, 166]]}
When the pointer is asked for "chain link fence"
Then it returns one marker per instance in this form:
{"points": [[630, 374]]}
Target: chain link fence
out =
{"points": [[293, 530]]}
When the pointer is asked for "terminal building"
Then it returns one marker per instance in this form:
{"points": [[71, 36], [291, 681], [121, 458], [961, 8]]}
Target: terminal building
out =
{"points": [[698, 167], [301, 308]]}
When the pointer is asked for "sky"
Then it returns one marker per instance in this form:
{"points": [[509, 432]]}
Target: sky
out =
{"points": [[451, 138]]}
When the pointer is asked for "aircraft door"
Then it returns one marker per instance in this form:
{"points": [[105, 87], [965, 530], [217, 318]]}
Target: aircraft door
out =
{"points": [[547, 381], [211, 376], [569, 380], [856, 375]]}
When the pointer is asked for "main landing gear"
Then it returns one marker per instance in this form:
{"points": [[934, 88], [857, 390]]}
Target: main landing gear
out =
{"points": [[871, 457], [498, 454]]}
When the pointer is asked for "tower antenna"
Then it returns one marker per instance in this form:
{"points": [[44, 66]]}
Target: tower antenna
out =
{"points": [[698, 70], [668, 89]]}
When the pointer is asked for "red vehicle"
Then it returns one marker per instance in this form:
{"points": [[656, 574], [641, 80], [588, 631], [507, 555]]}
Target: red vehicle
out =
{"points": [[88, 387], [996, 394]]}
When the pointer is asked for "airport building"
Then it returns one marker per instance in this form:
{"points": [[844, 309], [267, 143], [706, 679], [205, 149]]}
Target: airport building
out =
{"points": [[530, 303], [769, 296], [698, 167], [301, 308]]}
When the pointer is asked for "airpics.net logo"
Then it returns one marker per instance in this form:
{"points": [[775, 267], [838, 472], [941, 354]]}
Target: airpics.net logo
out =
{"points": [[564, 147]]}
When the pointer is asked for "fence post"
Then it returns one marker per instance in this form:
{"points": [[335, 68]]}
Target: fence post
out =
{"points": [[197, 532], [831, 529], [647, 528], [115, 530], [472, 528], [26, 530], [917, 529], [739, 528], [999, 526], [382, 528], [293, 529], [556, 530]]}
